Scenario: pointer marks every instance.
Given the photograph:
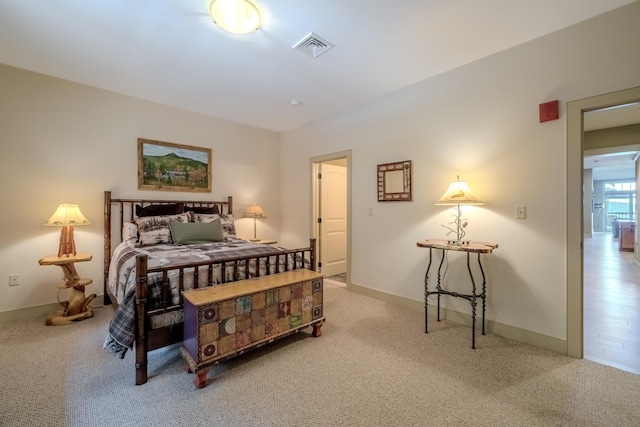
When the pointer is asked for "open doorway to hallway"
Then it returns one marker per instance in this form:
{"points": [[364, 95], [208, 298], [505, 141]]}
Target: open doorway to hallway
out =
{"points": [[595, 276], [330, 200]]}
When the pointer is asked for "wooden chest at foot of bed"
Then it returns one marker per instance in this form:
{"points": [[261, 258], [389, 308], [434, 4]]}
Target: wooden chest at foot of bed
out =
{"points": [[226, 320]]}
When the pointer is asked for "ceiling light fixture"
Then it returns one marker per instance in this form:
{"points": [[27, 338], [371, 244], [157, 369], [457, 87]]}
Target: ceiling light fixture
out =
{"points": [[236, 16]]}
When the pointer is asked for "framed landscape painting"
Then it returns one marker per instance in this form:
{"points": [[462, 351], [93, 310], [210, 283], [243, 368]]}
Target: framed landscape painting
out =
{"points": [[173, 167]]}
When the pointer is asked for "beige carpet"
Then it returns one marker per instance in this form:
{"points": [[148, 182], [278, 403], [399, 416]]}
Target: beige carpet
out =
{"points": [[373, 366]]}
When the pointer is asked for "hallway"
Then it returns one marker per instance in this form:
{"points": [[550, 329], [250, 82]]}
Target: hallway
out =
{"points": [[611, 304]]}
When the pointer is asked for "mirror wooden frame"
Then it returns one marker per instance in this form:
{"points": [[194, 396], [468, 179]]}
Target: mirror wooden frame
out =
{"points": [[394, 182]]}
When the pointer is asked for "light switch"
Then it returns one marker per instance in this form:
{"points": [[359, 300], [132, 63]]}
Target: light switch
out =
{"points": [[521, 212]]}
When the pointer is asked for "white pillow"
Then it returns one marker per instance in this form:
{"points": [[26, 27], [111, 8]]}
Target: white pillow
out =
{"points": [[130, 233]]}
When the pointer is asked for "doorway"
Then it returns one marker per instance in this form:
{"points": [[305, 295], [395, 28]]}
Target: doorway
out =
{"points": [[575, 204], [331, 207]]}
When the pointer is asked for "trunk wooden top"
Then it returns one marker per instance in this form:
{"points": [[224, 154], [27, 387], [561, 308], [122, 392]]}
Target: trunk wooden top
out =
{"points": [[247, 286]]}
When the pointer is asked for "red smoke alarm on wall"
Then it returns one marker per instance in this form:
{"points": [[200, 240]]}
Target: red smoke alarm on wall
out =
{"points": [[549, 111]]}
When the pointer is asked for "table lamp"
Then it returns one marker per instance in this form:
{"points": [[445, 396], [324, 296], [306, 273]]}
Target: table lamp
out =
{"points": [[254, 211], [458, 194], [66, 216]]}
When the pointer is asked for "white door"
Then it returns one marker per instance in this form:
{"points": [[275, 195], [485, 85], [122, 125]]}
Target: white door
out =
{"points": [[333, 219]]}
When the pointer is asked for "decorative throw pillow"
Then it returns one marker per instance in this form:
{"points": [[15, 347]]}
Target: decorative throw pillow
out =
{"points": [[203, 209], [228, 226], [130, 233], [154, 230], [160, 209], [195, 232]]}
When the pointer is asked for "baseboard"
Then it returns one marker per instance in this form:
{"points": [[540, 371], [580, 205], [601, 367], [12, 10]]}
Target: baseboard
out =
{"points": [[521, 335], [31, 313]]}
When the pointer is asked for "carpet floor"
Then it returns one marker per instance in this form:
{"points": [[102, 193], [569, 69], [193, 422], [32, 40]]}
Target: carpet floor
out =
{"points": [[372, 366]]}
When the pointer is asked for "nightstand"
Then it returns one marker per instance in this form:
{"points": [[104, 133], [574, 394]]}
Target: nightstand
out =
{"points": [[266, 242], [77, 306]]}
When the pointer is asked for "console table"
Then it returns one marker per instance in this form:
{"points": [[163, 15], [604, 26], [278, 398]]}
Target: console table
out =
{"points": [[469, 248]]}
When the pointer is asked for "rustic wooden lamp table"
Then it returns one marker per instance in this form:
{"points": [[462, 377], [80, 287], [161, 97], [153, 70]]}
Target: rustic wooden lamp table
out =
{"points": [[77, 307], [468, 248]]}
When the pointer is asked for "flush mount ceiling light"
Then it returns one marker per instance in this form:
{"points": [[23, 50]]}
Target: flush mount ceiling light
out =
{"points": [[236, 16]]}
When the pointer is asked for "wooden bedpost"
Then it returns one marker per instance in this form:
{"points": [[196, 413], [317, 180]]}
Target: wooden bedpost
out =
{"points": [[312, 260], [140, 320], [107, 245]]}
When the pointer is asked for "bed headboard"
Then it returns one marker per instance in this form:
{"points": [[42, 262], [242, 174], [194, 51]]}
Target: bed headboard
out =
{"points": [[119, 211]]}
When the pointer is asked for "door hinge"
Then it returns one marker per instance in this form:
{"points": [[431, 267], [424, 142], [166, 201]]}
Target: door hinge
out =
{"points": [[319, 175], [320, 264], [319, 220]]}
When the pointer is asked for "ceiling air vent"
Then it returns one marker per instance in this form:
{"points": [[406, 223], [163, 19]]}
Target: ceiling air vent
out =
{"points": [[312, 45]]}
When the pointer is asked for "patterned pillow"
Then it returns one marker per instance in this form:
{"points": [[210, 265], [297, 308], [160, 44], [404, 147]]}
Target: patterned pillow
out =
{"points": [[228, 226], [155, 230], [130, 233]]}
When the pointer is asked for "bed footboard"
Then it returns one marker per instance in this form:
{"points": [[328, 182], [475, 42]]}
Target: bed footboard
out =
{"points": [[148, 338]]}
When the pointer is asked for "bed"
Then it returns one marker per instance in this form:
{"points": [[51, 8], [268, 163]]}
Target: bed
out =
{"points": [[155, 249]]}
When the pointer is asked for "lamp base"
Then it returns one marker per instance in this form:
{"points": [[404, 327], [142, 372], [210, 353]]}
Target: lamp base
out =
{"points": [[67, 244]]}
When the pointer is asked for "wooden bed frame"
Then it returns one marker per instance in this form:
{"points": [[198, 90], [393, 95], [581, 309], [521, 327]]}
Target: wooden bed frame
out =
{"points": [[119, 211]]}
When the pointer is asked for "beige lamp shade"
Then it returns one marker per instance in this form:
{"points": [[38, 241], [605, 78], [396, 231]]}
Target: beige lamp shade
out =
{"points": [[254, 211], [66, 216], [458, 194], [235, 16]]}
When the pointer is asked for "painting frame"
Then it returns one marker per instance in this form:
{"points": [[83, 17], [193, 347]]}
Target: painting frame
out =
{"points": [[167, 166]]}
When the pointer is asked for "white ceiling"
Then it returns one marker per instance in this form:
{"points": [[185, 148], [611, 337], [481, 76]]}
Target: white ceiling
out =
{"points": [[169, 51]]}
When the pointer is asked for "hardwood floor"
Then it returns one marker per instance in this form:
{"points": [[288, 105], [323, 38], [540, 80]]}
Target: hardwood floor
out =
{"points": [[611, 304]]}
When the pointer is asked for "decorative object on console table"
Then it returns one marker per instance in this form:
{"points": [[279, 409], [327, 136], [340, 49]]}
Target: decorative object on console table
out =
{"points": [[66, 216], [254, 211], [457, 195], [469, 248], [77, 306]]}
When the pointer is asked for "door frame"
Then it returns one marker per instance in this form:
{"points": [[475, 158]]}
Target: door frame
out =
{"points": [[315, 197], [575, 228]]}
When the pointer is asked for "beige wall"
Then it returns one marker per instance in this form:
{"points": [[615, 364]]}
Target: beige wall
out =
{"points": [[479, 121], [62, 142], [66, 142]]}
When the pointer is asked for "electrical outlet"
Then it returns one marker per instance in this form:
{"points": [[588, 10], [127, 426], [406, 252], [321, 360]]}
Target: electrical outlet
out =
{"points": [[14, 279], [521, 212]]}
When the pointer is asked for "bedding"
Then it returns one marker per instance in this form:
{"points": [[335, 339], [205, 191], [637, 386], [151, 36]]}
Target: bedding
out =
{"points": [[150, 313], [122, 278]]}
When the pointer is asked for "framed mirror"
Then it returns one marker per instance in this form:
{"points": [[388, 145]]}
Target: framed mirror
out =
{"points": [[394, 182]]}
